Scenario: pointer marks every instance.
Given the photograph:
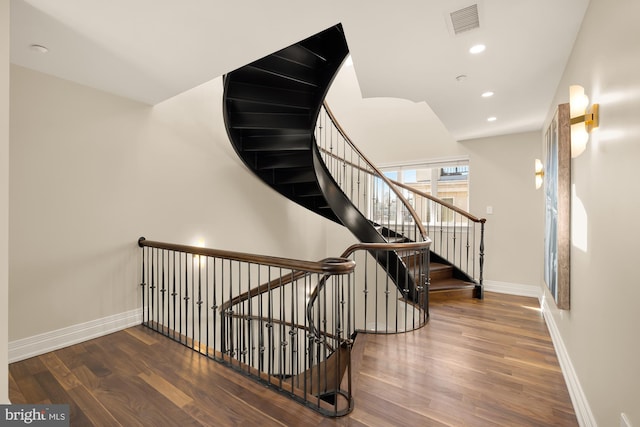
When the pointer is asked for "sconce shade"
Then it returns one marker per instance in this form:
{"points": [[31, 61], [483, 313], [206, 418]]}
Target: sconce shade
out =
{"points": [[539, 169], [578, 101], [583, 120], [579, 139]]}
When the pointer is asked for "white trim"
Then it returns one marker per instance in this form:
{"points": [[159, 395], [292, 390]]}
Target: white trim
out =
{"points": [[578, 398], [43, 343], [512, 288]]}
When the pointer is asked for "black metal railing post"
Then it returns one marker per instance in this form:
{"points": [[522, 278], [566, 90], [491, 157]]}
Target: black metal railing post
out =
{"points": [[479, 290]]}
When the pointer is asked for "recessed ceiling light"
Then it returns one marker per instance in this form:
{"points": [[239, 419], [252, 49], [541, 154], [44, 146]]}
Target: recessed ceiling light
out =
{"points": [[487, 94], [477, 48], [492, 119], [38, 48]]}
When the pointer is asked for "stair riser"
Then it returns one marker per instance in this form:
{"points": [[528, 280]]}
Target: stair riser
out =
{"points": [[270, 95], [441, 274], [270, 121], [450, 295]]}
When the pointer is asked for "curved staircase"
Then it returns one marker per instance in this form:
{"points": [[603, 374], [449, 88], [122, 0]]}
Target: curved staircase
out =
{"points": [[271, 110], [291, 324], [271, 107]]}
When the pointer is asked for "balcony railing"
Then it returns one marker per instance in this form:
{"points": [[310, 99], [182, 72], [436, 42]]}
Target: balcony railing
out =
{"points": [[289, 324]]}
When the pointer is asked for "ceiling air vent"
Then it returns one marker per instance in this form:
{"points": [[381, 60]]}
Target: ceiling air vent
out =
{"points": [[465, 19]]}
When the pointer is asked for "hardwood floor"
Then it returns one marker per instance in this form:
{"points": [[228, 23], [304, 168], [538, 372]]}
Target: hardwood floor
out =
{"points": [[476, 363]]}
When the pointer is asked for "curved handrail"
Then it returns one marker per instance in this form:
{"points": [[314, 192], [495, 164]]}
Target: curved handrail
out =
{"points": [[454, 242], [406, 246], [413, 190], [376, 171], [266, 287], [441, 202], [326, 266], [386, 246]]}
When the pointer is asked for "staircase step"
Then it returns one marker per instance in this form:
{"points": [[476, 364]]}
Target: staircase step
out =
{"points": [[282, 140], [449, 284], [307, 189], [466, 293], [239, 106], [269, 95], [300, 55], [269, 121], [440, 271], [294, 175], [284, 160], [273, 78], [282, 68]]}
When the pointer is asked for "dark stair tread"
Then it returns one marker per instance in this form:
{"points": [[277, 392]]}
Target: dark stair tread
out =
{"points": [[294, 176], [269, 95], [258, 120], [281, 68], [284, 160], [300, 55], [277, 140]]}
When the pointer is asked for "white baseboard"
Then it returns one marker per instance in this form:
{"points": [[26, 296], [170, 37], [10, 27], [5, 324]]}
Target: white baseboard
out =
{"points": [[43, 343], [512, 288], [578, 398]]}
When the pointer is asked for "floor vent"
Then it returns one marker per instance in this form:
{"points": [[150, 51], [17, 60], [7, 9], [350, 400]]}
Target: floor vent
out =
{"points": [[465, 19]]}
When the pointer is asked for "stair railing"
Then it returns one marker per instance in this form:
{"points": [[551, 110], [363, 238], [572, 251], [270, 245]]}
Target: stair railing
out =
{"points": [[374, 303], [456, 235], [401, 211], [368, 189], [287, 323]]}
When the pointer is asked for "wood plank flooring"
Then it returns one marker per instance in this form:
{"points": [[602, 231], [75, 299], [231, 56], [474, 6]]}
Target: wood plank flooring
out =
{"points": [[476, 363]]}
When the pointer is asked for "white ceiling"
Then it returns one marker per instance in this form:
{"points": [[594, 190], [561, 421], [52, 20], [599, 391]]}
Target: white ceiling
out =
{"points": [[151, 50]]}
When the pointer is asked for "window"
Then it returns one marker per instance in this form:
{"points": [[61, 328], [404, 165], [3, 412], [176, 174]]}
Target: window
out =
{"points": [[445, 180]]}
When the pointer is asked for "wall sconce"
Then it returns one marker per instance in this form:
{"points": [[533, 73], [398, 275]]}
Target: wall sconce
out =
{"points": [[539, 168], [578, 103]]}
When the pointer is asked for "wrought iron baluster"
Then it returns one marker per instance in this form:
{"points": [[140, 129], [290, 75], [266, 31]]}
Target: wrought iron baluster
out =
{"points": [[206, 305], [193, 302], [153, 285], [453, 260], [163, 290], [143, 285], [173, 296], [481, 256], [199, 302]]}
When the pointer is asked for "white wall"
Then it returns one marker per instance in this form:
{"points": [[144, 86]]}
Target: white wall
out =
{"points": [[392, 131], [601, 329], [501, 170], [4, 198], [389, 130], [92, 172]]}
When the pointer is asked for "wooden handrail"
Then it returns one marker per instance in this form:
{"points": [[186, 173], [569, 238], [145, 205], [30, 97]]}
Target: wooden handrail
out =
{"points": [[413, 190], [380, 175], [386, 246], [325, 266], [442, 202], [288, 278], [266, 287], [388, 180], [366, 246]]}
